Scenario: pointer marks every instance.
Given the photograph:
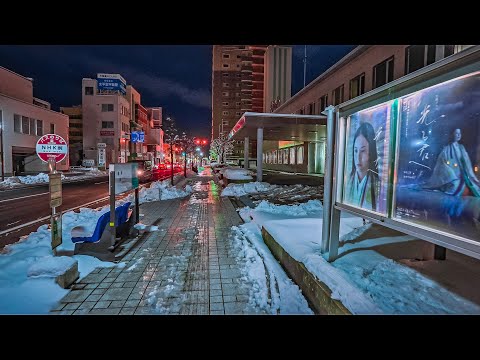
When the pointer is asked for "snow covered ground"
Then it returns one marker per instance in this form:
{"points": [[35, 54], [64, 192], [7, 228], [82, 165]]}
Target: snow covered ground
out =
{"points": [[238, 174], [28, 267], [42, 178], [364, 280]]}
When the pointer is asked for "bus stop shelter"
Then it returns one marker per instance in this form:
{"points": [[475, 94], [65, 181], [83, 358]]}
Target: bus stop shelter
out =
{"points": [[274, 127]]}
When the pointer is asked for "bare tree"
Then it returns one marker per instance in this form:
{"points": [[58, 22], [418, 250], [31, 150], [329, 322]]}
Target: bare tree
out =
{"points": [[170, 137], [188, 146], [220, 148]]}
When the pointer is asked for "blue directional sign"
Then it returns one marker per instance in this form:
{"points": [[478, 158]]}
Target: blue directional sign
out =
{"points": [[137, 137]]}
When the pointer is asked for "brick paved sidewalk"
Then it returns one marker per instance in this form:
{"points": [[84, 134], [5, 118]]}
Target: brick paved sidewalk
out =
{"points": [[186, 267]]}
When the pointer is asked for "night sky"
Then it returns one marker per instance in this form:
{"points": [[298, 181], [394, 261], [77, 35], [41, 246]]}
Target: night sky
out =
{"points": [[175, 77]]}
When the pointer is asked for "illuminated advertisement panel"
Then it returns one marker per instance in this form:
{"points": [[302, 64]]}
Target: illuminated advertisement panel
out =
{"points": [[438, 160], [366, 159]]}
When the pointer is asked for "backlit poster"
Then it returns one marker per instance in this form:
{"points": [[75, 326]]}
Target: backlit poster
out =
{"points": [[438, 161], [366, 159]]}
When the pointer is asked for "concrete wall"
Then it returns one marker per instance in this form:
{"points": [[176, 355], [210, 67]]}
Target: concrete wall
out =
{"points": [[15, 85], [9, 107]]}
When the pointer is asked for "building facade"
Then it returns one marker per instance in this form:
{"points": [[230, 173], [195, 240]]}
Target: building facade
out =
{"points": [[245, 78], [106, 118], [23, 120], [363, 69], [155, 135], [75, 133]]}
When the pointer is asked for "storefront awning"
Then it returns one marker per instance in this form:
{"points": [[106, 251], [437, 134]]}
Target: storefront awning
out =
{"points": [[280, 126]]}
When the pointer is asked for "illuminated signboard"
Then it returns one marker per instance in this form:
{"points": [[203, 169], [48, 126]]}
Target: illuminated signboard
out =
{"points": [[240, 123], [438, 157], [286, 144], [366, 159], [111, 83]]}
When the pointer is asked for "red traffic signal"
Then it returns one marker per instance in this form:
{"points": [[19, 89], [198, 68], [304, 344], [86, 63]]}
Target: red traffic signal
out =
{"points": [[204, 142], [197, 141]]}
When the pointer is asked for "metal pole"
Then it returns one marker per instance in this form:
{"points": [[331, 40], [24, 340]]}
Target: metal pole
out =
{"points": [[112, 210], [245, 152], [305, 67], [137, 207], [327, 192], [1, 148], [259, 154]]}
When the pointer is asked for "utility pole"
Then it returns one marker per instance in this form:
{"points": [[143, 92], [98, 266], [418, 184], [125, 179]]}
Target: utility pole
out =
{"points": [[305, 67], [1, 148]]}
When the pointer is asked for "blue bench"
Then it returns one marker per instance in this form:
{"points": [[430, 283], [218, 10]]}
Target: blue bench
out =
{"points": [[99, 243]]}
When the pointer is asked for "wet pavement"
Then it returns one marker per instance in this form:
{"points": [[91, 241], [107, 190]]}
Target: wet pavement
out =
{"points": [[186, 267]]}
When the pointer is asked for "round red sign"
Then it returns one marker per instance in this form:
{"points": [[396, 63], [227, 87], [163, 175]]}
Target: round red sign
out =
{"points": [[52, 146]]}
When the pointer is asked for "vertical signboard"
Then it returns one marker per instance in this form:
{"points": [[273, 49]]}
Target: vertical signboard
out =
{"points": [[438, 157], [126, 177], [367, 158], [101, 154]]}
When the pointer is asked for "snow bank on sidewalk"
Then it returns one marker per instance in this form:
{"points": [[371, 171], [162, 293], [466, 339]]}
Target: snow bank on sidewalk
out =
{"points": [[247, 188]]}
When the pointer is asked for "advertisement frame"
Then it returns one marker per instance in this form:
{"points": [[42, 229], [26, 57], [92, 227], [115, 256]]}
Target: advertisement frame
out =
{"points": [[457, 65]]}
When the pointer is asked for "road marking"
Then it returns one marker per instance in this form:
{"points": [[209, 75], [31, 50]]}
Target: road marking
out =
{"points": [[13, 222], [24, 197], [48, 217], [103, 182]]}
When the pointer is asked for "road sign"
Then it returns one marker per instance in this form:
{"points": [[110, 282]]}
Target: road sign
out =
{"points": [[52, 146], [56, 229], [101, 145], [101, 157], [55, 182]]}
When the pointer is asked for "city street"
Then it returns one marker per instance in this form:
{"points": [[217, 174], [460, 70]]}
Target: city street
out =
{"points": [[24, 210]]}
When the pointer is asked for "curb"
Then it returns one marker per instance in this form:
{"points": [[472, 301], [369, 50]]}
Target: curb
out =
{"points": [[317, 293]]}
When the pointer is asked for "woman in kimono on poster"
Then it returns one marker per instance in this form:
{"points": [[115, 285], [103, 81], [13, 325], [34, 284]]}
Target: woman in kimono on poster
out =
{"points": [[453, 172], [363, 183]]}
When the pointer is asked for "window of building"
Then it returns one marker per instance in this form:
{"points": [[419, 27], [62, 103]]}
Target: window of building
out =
{"points": [[17, 124], [237, 85], [224, 112], [300, 111], [449, 50], [25, 125], [107, 107], [292, 155], [280, 156], [225, 103], [357, 86], [311, 108], [239, 75], [300, 155], [32, 127], [238, 65], [88, 90], [323, 103], [237, 103], [238, 113], [107, 124], [226, 66], [224, 122], [337, 95], [52, 128], [225, 74], [275, 156], [226, 56], [225, 84], [383, 73], [225, 93], [418, 56], [238, 94]]}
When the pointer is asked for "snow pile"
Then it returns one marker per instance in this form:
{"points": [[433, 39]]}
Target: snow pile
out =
{"points": [[162, 190], [291, 210], [365, 281], [146, 228], [247, 188], [36, 179], [50, 266], [237, 174], [270, 289]]}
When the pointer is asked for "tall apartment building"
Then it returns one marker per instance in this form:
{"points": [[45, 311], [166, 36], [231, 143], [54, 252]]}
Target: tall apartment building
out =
{"points": [[106, 117], [75, 133], [23, 120], [244, 79]]}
